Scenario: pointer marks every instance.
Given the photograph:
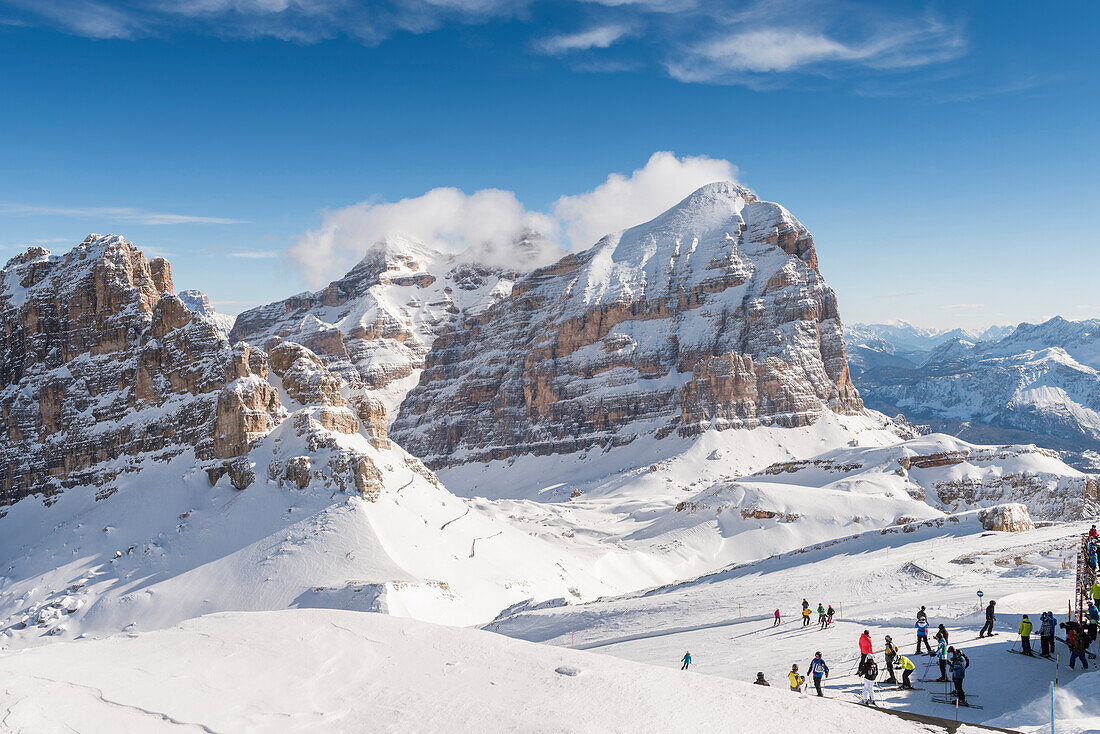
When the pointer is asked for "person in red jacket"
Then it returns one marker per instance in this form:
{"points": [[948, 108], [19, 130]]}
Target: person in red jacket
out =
{"points": [[865, 649]]}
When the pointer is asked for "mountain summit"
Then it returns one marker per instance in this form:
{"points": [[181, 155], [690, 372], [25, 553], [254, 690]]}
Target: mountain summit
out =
{"points": [[713, 314]]}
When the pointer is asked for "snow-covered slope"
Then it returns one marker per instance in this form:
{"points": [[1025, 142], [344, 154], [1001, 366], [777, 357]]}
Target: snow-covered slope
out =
{"points": [[331, 671]]}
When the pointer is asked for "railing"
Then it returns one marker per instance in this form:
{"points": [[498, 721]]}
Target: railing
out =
{"points": [[1085, 577]]}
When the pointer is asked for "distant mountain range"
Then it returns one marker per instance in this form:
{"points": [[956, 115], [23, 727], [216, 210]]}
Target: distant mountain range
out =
{"points": [[1033, 383]]}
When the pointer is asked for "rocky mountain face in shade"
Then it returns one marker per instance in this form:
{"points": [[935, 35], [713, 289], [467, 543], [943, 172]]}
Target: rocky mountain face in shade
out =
{"points": [[714, 314]]}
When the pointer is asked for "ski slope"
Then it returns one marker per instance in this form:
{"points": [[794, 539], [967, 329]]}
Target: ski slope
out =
{"points": [[876, 581], [339, 671]]}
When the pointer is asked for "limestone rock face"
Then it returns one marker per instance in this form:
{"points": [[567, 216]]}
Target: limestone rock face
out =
{"points": [[374, 326], [1011, 518], [713, 314], [100, 363]]}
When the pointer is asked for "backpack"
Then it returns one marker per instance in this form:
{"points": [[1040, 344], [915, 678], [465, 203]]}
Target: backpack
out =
{"points": [[870, 671]]}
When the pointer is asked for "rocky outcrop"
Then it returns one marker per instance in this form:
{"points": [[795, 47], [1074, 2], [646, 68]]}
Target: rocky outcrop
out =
{"points": [[713, 315], [102, 366], [1011, 518]]}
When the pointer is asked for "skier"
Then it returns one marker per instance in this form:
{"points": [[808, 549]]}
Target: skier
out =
{"points": [[805, 616], [922, 635], [1095, 590], [990, 618], [686, 660], [959, 663], [819, 670], [1092, 533], [778, 621], [1025, 635], [865, 649], [1094, 612], [870, 672], [829, 616], [891, 651], [941, 657], [1046, 634], [796, 679], [907, 667], [821, 616], [922, 616], [1093, 561], [941, 634], [760, 680], [1073, 632]]}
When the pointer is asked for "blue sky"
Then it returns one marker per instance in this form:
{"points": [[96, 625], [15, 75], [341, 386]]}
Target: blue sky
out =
{"points": [[944, 156]]}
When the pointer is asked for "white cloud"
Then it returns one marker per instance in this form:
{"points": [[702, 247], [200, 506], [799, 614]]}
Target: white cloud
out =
{"points": [[623, 201], [487, 223], [962, 306], [113, 214], [598, 37]]}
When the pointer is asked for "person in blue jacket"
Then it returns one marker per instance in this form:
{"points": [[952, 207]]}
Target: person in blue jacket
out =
{"points": [[819, 670], [959, 664], [686, 660], [922, 635]]}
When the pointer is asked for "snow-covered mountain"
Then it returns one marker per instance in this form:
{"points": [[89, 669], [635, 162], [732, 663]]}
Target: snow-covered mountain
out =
{"points": [[672, 403], [712, 315], [198, 302], [1039, 384], [899, 344], [375, 325]]}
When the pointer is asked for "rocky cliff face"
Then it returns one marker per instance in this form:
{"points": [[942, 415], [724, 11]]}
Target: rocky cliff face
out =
{"points": [[102, 366], [375, 325], [713, 314]]}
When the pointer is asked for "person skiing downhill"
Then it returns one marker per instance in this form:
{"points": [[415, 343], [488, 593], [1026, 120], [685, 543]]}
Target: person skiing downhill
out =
{"points": [[686, 660], [819, 670], [922, 635], [891, 652], [1046, 635], [796, 679], [829, 616], [941, 657], [990, 618], [959, 664], [870, 673], [865, 649], [778, 620], [1025, 635], [907, 667]]}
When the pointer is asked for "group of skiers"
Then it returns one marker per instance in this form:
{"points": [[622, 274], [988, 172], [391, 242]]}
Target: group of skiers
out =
{"points": [[824, 616]]}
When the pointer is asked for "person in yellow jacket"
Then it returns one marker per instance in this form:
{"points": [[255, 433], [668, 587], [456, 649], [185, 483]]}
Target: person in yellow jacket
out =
{"points": [[796, 679], [1095, 590], [805, 616], [907, 668], [1025, 635]]}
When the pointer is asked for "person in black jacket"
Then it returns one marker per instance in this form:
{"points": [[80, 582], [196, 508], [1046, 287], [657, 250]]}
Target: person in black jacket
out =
{"points": [[990, 618], [1046, 634], [941, 634]]}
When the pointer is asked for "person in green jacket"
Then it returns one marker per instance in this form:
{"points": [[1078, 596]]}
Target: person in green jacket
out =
{"points": [[1096, 590], [1025, 635]]}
